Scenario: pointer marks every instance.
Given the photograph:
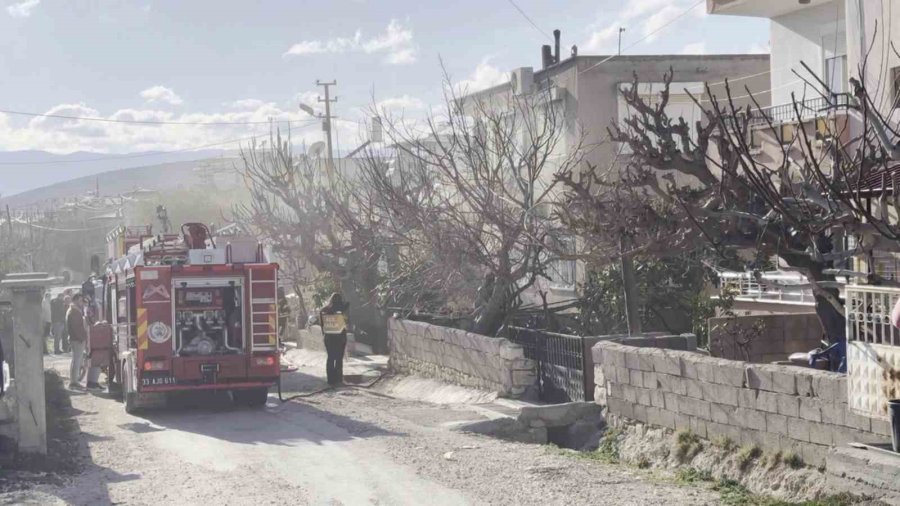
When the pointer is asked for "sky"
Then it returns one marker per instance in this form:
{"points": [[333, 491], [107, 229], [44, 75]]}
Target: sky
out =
{"points": [[230, 61]]}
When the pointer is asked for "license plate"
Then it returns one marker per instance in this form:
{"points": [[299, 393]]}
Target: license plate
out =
{"points": [[209, 367], [152, 382]]}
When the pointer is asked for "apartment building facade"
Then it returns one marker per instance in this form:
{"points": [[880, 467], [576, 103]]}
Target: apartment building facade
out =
{"points": [[587, 93], [840, 40]]}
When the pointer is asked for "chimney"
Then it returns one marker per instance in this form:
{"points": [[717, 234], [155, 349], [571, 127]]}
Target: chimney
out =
{"points": [[556, 53], [546, 56]]}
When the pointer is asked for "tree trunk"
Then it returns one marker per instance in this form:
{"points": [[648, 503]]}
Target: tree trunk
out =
{"points": [[632, 316], [367, 318], [493, 313], [833, 322]]}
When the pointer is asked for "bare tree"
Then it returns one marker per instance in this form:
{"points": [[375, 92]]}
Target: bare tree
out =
{"points": [[306, 217], [715, 191], [468, 189]]}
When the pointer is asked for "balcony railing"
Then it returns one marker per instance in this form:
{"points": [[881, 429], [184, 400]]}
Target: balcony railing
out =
{"points": [[766, 286], [808, 109]]}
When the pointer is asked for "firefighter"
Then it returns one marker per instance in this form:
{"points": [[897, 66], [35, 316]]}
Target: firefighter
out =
{"points": [[334, 319], [284, 312]]}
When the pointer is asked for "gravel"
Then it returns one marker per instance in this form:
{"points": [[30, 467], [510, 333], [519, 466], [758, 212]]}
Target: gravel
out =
{"points": [[345, 446]]}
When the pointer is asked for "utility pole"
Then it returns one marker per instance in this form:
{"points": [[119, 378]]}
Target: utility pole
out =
{"points": [[621, 30], [326, 126]]}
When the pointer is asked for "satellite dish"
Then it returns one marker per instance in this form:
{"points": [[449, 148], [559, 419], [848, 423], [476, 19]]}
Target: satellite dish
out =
{"points": [[316, 150]]}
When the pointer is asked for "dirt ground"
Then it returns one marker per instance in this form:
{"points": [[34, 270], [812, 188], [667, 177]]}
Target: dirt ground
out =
{"points": [[345, 446]]}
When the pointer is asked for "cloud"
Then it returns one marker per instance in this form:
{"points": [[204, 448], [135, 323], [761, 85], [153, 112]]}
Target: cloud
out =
{"points": [[640, 18], [161, 94], [70, 135], [484, 76], [694, 48], [404, 102], [396, 43], [22, 9], [247, 103]]}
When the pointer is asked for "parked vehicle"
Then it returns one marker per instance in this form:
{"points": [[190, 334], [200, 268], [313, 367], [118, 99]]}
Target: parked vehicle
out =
{"points": [[187, 315]]}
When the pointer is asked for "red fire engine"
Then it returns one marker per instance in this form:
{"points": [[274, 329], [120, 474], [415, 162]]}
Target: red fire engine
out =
{"points": [[188, 314]]}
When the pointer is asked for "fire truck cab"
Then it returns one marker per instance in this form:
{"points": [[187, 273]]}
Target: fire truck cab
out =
{"points": [[188, 314]]}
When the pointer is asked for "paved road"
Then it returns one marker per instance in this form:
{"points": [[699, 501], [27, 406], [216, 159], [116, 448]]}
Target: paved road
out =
{"points": [[349, 446]]}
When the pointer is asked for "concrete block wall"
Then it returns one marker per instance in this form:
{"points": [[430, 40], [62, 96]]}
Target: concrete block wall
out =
{"points": [[778, 408], [780, 335], [459, 357]]}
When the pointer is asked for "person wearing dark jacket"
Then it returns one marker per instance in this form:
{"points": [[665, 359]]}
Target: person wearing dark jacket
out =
{"points": [[58, 323], [334, 319]]}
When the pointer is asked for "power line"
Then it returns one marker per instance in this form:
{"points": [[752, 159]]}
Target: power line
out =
{"points": [[527, 18], [149, 122], [647, 36]]}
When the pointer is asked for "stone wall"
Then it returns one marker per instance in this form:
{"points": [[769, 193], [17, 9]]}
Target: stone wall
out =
{"points": [[763, 338], [778, 408], [459, 357]]}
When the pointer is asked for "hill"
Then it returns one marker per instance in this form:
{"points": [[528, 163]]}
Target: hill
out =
{"points": [[174, 175], [21, 171]]}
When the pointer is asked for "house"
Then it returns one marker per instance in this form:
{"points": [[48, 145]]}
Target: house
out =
{"points": [[838, 40], [587, 92]]}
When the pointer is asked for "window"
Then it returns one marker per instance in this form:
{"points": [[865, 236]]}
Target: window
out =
{"points": [[787, 133], [562, 271], [836, 73]]}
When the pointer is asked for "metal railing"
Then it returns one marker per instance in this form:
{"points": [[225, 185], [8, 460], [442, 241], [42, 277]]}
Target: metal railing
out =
{"points": [[561, 363], [808, 109], [868, 310], [773, 285]]}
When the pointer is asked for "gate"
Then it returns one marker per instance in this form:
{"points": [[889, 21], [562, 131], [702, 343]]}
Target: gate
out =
{"points": [[564, 366]]}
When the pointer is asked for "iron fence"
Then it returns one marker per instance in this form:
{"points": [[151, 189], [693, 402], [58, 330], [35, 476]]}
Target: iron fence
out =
{"points": [[564, 365]]}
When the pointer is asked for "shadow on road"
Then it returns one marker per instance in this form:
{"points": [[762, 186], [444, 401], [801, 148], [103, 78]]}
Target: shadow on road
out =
{"points": [[68, 455], [214, 415]]}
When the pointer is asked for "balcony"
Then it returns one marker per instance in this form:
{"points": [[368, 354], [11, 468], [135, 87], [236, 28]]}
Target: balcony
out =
{"points": [[809, 109], [760, 8], [774, 286]]}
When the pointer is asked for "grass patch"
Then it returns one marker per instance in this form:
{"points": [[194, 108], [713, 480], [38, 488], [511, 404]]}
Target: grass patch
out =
{"points": [[792, 460], [608, 450], [687, 445], [692, 475], [748, 454], [724, 443]]}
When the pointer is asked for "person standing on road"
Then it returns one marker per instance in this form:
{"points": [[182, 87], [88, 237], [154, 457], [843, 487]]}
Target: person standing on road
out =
{"points": [[77, 338], [334, 319], [58, 323], [284, 312], [45, 319]]}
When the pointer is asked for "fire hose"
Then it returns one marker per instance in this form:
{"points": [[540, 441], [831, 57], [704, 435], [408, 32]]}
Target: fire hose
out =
{"points": [[322, 390]]}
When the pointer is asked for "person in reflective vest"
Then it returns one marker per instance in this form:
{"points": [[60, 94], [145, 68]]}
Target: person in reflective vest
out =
{"points": [[334, 318]]}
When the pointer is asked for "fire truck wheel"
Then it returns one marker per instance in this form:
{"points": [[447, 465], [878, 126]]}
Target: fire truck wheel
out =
{"points": [[131, 403], [254, 397]]}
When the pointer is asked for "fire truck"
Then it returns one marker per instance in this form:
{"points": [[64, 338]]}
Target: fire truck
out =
{"points": [[189, 314]]}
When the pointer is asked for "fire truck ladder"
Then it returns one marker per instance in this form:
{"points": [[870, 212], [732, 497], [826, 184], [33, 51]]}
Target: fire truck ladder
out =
{"points": [[268, 329]]}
